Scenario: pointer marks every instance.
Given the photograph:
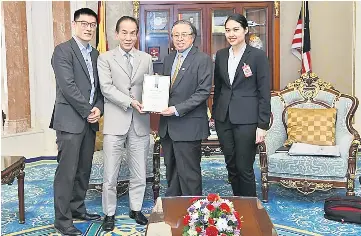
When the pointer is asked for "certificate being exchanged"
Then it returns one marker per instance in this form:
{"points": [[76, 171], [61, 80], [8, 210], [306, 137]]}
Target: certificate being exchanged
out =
{"points": [[155, 93]]}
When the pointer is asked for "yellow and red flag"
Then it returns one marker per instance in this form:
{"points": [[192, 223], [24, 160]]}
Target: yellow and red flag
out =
{"points": [[101, 36]]}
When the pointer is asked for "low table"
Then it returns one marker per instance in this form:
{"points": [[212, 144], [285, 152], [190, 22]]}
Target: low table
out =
{"points": [[256, 221], [11, 167]]}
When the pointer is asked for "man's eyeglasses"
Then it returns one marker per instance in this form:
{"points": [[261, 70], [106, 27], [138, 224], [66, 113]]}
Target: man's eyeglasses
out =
{"points": [[183, 35], [85, 24]]}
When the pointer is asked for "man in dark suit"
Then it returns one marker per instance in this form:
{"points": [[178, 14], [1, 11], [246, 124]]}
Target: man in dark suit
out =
{"points": [[184, 123], [78, 107]]}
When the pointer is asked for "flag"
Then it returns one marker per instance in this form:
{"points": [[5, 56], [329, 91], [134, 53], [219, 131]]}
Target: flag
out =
{"points": [[101, 37], [301, 43]]}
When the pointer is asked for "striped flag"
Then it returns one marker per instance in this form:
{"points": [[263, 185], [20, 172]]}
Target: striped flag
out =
{"points": [[301, 43], [101, 37]]}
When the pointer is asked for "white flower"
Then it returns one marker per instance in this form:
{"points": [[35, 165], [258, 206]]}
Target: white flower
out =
{"points": [[192, 232], [194, 216], [222, 224], [232, 218], [197, 204], [205, 211]]}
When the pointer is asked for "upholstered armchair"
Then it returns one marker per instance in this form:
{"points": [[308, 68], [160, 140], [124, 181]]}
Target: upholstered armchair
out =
{"points": [[310, 173]]}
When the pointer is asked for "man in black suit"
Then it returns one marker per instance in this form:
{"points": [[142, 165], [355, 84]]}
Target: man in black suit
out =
{"points": [[78, 107], [184, 123]]}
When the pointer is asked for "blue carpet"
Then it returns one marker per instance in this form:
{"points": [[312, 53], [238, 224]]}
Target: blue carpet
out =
{"points": [[291, 212]]}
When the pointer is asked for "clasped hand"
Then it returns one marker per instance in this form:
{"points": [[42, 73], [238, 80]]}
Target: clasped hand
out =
{"points": [[94, 115]]}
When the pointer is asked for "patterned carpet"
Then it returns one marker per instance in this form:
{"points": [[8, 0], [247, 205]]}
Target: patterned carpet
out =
{"points": [[291, 212]]}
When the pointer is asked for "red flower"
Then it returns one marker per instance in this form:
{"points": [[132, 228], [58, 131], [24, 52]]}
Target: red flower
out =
{"points": [[198, 229], [210, 207], [236, 214], [212, 197], [211, 221], [186, 219], [194, 199], [225, 207], [211, 231], [223, 235]]}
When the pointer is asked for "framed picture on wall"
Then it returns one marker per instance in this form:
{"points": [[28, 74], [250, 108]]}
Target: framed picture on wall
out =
{"points": [[157, 22], [154, 52]]}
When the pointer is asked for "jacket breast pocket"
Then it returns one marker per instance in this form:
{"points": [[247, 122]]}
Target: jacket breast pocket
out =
{"points": [[62, 101]]}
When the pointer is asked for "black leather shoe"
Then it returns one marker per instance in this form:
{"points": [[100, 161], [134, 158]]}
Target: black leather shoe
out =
{"points": [[138, 217], [87, 216], [68, 231], [108, 223]]}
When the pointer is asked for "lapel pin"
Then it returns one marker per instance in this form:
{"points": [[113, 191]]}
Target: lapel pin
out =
{"points": [[183, 68]]}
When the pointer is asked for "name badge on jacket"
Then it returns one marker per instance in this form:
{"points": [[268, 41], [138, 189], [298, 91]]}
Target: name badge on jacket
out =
{"points": [[247, 70]]}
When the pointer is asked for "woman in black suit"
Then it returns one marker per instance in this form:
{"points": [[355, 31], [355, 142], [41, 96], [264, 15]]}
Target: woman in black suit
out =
{"points": [[241, 105]]}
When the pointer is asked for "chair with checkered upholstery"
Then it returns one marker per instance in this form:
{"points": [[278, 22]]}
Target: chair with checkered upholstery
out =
{"points": [[310, 173]]}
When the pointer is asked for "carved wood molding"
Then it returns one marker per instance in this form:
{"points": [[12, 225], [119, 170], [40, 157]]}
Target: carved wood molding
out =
{"points": [[306, 187], [136, 5], [276, 5]]}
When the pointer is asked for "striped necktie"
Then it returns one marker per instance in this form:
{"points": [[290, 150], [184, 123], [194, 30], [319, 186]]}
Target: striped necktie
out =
{"points": [[129, 64], [179, 64]]}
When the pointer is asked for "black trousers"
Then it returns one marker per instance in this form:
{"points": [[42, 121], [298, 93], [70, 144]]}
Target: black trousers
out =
{"points": [[75, 155], [239, 149], [183, 167]]}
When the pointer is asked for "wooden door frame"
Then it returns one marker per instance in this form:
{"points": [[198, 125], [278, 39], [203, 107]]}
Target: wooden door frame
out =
{"points": [[275, 12]]}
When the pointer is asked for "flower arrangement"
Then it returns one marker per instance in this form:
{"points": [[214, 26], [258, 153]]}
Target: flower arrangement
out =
{"points": [[212, 216]]}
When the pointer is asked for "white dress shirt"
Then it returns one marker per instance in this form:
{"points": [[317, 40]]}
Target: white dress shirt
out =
{"points": [[233, 62]]}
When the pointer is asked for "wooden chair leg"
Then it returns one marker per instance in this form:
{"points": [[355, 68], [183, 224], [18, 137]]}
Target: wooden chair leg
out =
{"points": [[265, 192], [156, 168], [21, 196]]}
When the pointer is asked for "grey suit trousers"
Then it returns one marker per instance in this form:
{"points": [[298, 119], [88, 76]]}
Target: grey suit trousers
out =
{"points": [[137, 152], [75, 155]]}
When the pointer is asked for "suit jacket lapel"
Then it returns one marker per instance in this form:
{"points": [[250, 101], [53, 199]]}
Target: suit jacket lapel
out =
{"points": [[80, 57], [94, 62], [224, 64], [245, 55], [186, 63], [168, 64], [118, 57], [136, 63]]}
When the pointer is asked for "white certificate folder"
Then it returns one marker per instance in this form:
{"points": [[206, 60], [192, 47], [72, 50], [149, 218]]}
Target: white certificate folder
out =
{"points": [[155, 95]]}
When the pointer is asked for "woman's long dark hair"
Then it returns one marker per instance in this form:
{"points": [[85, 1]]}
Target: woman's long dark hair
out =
{"points": [[238, 18]]}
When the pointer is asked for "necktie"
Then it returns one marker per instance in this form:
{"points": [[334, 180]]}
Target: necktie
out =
{"points": [[129, 64], [179, 63]]}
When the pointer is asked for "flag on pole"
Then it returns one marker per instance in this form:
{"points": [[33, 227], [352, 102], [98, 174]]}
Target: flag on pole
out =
{"points": [[101, 37], [301, 43]]}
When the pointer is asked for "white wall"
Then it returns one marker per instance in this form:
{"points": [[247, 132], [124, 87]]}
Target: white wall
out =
{"points": [[40, 140]]}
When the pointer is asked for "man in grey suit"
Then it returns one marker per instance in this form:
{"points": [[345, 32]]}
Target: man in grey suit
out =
{"points": [[78, 107], [184, 123], [121, 74]]}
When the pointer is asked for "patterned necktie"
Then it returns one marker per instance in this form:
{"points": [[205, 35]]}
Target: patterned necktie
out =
{"points": [[129, 64], [179, 63]]}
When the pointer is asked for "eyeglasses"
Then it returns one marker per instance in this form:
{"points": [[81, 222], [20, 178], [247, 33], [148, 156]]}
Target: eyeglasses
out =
{"points": [[85, 24], [183, 35]]}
